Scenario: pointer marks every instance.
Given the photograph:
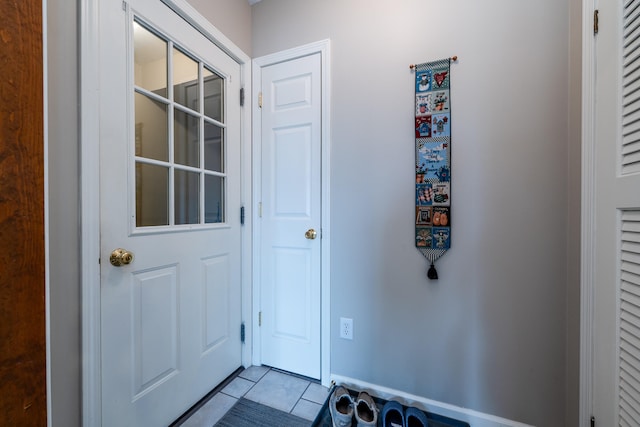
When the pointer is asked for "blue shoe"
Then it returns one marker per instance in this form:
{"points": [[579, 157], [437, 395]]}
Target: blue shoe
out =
{"points": [[341, 407], [414, 417], [392, 414]]}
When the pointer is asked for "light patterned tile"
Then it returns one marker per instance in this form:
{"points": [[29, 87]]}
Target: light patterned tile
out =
{"points": [[238, 387], [316, 393], [211, 412], [278, 391], [254, 373], [307, 410]]}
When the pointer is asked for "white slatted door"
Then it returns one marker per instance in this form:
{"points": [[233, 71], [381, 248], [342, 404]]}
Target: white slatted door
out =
{"points": [[290, 260], [629, 358], [616, 354], [170, 194]]}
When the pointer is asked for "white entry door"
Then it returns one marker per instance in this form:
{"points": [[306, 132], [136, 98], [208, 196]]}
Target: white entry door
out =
{"points": [[616, 349], [291, 238], [170, 196]]}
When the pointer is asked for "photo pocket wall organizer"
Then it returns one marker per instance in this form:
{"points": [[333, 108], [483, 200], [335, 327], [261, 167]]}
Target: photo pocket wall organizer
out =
{"points": [[433, 159]]}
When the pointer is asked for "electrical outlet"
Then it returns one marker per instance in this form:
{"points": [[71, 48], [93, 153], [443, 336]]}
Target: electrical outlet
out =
{"points": [[346, 328]]}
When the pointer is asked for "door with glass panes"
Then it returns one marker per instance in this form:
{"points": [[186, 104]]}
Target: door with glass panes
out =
{"points": [[170, 223]]}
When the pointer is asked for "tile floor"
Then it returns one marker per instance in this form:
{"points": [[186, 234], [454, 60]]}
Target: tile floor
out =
{"points": [[270, 387]]}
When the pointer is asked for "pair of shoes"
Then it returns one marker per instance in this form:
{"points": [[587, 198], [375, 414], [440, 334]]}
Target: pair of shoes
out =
{"points": [[342, 408], [393, 415]]}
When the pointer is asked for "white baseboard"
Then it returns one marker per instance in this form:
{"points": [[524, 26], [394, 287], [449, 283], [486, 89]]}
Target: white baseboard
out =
{"points": [[474, 418]]}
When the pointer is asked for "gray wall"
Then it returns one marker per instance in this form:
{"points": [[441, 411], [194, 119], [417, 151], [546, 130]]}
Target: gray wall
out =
{"points": [[573, 213], [232, 17], [64, 272], [496, 333]]}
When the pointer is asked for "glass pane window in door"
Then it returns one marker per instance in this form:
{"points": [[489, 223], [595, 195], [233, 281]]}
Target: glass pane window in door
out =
{"points": [[152, 195], [186, 139], [150, 60], [213, 147], [213, 95], [151, 139], [213, 199], [187, 195], [185, 80]]}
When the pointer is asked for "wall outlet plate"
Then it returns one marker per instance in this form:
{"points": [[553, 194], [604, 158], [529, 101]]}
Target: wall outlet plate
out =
{"points": [[346, 328]]}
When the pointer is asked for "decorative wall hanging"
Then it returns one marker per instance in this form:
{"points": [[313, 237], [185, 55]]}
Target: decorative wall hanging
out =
{"points": [[433, 159]]}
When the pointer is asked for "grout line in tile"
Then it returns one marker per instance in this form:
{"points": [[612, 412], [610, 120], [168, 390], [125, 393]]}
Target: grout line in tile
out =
{"points": [[300, 398], [254, 384]]}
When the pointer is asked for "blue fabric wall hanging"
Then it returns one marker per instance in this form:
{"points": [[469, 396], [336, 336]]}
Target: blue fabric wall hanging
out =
{"points": [[433, 159]]}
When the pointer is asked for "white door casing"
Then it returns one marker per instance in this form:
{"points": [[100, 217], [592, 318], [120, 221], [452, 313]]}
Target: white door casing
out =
{"points": [[170, 321], [291, 292], [610, 362], [587, 237]]}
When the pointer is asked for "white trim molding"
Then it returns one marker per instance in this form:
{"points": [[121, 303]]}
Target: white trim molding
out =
{"points": [[588, 209], [247, 228], [474, 418], [90, 211], [322, 47]]}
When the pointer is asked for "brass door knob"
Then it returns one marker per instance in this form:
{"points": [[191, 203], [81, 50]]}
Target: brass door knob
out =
{"points": [[311, 234], [120, 257]]}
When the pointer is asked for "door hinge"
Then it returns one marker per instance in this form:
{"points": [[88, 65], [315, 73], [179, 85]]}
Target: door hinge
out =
{"points": [[242, 97], [259, 318], [260, 99], [242, 332], [260, 210], [242, 215], [593, 421], [595, 22], [124, 6]]}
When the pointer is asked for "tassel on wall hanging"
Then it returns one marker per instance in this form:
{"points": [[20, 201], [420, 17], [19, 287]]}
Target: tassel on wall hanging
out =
{"points": [[433, 159]]}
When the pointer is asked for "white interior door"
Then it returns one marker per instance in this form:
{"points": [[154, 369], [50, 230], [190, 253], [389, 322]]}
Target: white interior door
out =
{"points": [[290, 248], [616, 350], [170, 194]]}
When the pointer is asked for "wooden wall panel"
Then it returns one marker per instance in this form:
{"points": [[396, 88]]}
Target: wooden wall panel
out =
{"points": [[22, 259]]}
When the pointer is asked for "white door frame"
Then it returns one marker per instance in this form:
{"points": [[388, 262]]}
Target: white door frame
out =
{"points": [[323, 48], [588, 221], [90, 191]]}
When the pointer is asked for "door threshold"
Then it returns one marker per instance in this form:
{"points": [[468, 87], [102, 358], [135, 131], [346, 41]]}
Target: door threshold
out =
{"points": [[293, 374], [182, 418]]}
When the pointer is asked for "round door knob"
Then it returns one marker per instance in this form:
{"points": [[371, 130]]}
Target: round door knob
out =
{"points": [[311, 234], [120, 257]]}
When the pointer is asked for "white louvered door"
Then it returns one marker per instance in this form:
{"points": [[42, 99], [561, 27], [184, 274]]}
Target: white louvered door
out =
{"points": [[616, 353], [629, 340]]}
